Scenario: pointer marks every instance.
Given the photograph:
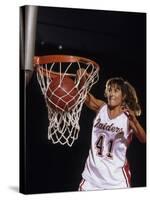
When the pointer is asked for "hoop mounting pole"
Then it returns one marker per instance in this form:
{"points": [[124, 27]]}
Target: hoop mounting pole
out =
{"points": [[28, 21]]}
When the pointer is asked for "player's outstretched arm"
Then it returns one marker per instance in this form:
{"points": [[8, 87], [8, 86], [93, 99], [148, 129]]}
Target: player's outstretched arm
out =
{"points": [[91, 102]]}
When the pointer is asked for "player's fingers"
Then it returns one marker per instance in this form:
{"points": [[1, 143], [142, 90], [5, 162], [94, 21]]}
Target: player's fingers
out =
{"points": [[127, 113]]}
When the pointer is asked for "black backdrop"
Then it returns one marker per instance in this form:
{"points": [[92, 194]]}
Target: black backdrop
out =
{"points": [[117, 41]]}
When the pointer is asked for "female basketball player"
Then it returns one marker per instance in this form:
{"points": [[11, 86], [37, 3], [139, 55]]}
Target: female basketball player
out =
{"points": [[106, 166]]}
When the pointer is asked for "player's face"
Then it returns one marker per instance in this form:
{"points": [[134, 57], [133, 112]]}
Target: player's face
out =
{"points": [[114, 96]]}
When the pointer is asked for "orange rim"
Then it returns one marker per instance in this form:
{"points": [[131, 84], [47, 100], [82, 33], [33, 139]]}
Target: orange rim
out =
{"points": [[62, 58], [39, 60]]}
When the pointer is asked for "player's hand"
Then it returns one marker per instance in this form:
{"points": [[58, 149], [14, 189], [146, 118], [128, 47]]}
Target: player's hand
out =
{"points": [[81, 77], [129, 113], [81, 73]]}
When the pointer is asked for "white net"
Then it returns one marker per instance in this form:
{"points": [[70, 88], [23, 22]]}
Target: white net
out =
{"points": [[64, 114]]}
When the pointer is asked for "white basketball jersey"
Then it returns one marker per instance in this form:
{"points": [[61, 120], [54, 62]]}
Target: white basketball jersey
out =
{"points": [[106, 164]]}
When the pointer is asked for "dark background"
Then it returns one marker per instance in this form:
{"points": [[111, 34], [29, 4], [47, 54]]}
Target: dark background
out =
{"points": [[115, 40]]}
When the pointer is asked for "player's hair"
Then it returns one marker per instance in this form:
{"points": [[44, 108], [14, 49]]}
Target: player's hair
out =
{"points": [[128, 91]]}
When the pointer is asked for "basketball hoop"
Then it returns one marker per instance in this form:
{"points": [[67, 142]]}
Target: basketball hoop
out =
{"points": [[64, 98]]}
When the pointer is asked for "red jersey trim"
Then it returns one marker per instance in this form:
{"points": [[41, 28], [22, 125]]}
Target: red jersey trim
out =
{"points": [[81, 184], [127, 174]]}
